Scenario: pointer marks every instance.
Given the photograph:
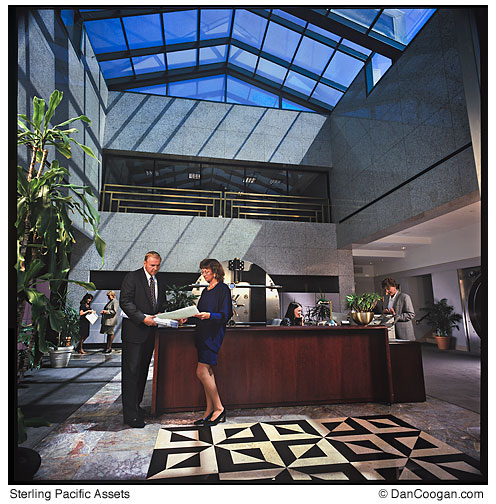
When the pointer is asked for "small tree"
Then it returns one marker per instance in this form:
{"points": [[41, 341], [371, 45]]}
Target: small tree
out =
{"points": [[442, 317]]}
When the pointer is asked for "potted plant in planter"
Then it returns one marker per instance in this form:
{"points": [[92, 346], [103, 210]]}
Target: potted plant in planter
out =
{"points": [[442, 318], [362, 306], [45, 201], [322, 309], [67, 337]]}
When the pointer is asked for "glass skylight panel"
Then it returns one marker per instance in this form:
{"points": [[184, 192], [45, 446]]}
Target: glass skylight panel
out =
{"points": [[313, 55], [116, 68], [379, 65], [180, 26], [106, 35], [402, 25], [249, 28], [181, 59], [356, 47], [343, 69], [325, 33], [151, 63], [215, 23], [327, 94], [214, 54], [271, 71], [243, 59], [300, 83], [363, 17], [414, 20], [289, 17], [143, 31], [159, 89], [206, 88], [281, 41], [289, 105], [247, 94]]}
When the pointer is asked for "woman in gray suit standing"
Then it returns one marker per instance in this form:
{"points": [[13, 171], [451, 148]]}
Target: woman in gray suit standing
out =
{"points": [[400, 306], [109, 319]]}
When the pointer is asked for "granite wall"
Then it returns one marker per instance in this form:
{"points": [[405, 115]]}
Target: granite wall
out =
{"points": [[414, 118], [164, 125]]}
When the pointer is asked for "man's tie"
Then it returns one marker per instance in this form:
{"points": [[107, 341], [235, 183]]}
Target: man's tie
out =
{"points": [[152, 292]]}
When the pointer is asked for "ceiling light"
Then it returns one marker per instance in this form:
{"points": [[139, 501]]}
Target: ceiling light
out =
{"points": [[249, 180], [195, 176], [403, 248]]}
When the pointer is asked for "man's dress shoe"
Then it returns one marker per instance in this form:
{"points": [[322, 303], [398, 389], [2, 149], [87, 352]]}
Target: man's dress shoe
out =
{"points": [[135, 422]]}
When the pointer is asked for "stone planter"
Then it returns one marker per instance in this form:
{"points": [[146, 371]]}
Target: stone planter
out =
{"points": [[60, 358]]}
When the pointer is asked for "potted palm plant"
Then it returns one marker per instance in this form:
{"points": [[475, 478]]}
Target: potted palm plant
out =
{"points": [[362, 306], [442, 318], [67, 337], [322, 309], [45, 201]]}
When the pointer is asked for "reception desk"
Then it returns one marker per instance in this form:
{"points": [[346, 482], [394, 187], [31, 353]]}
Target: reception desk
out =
{"points": [[277, 366]]}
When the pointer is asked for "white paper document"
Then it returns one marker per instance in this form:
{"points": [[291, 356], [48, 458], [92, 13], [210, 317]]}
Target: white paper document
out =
{"points": [[92, 317], [182, 313]]}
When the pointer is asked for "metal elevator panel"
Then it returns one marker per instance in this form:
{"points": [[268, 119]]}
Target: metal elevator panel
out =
{"points": [[470, 280]]}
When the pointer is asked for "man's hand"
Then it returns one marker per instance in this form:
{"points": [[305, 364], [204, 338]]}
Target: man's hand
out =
{"points": [[149, 321]]}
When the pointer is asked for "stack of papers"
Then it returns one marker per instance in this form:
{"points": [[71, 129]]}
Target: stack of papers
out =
{"points": [[161, 322]]}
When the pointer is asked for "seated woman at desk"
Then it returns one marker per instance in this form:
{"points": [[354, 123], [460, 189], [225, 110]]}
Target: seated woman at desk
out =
{"points": [[294, 315]]}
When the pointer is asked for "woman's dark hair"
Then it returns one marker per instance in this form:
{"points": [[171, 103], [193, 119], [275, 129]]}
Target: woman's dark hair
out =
{"points": [[215, 266], [389, 282], [87, 297], [291, 315]]}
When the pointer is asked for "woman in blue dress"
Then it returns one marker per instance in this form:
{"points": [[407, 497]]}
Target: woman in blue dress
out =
{"points": [[215, 307]]}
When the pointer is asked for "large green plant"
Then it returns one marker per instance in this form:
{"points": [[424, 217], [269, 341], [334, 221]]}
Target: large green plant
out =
{"points": [[179, 297], [362, 303], [442, 317], [45, 201], [322, 308]]}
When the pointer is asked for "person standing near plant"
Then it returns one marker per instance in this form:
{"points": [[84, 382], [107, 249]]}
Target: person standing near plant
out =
{"points": [[400, 306], [294, 315], [84, 323], [142, 297], [215, 306], [109, 319]]}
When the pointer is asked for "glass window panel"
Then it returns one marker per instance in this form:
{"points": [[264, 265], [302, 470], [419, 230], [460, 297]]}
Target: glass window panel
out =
{"points": [[218, 178], [363, 17], [207, 88], [106, 35], [379, 65], [402, 24], [312, 184], [152, 63], [243, 59], [247, 94], [180, 26], [214, 54], [271, 71], [249, 28], [281, 41], [327, 94], [312, 55], [180, 59], [343, 68], [177, 175], [116, 68], [290, 17], [263, 181], [143, 31], [159, 89], [414, 20], [300, 83], [289, 105], [325, 33], [356, 47], [129, 171], [215, 23]]}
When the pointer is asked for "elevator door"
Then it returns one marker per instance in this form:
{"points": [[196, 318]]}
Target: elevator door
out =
{"points": [[471, 297]]}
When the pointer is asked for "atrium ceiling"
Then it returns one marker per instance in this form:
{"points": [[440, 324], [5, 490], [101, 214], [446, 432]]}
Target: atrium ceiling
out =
{"points": [[291, 58]]}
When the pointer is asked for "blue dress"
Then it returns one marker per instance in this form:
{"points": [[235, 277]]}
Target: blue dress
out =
{"points": [[210, 332]]}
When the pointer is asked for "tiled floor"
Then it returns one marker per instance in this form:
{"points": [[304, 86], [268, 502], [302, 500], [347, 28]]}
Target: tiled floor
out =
{"points": [[93, 444]]}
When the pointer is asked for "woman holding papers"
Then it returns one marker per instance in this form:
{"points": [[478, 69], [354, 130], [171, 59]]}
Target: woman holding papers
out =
{"points": [[84, 323], [215, 307]]}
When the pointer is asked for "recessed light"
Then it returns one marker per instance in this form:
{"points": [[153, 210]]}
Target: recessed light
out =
{"points": [[403, 248]]}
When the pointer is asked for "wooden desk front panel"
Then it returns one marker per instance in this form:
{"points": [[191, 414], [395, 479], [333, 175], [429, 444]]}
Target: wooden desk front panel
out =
{"points": [[267, 366]]}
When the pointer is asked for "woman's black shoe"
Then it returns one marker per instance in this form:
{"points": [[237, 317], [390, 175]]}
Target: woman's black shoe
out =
{"points": [[203, 420], [220, 418]]}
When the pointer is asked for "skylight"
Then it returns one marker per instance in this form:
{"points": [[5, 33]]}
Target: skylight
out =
{"points": [[293, 58]]}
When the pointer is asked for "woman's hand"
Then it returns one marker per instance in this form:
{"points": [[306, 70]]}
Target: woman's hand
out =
{"points": [[183, 321], [202, 315], [102, 312]]}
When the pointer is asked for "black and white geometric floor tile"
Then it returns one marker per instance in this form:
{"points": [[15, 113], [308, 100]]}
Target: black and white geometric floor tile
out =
{"points": [[380, 447]]}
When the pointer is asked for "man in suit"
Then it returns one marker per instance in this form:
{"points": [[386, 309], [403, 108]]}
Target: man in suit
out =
{"points": [[141, 299], [400, 306]]}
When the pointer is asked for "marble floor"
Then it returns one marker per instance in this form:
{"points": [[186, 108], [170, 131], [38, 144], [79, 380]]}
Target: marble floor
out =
{"points": [[432, 440]]}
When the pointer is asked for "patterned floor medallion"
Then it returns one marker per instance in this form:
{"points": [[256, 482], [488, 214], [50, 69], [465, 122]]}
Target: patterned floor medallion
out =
{"points": [[354, 449]]}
